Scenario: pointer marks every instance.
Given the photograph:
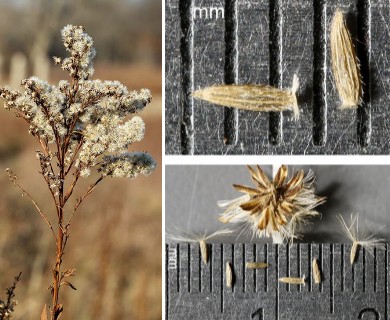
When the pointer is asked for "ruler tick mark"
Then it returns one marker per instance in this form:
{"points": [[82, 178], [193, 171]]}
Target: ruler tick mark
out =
{"points": [[364, 268], [243, 267], [276, 248], [309, 248], [342, 267], [375, 269], [331, 277], [222, 273], [211, 267]]}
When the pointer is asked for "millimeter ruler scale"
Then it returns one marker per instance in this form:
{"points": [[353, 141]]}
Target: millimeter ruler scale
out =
{"points": [[195, 290]]}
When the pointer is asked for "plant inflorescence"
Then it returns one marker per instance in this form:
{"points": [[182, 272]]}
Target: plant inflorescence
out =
{"points": [[80, 125]]}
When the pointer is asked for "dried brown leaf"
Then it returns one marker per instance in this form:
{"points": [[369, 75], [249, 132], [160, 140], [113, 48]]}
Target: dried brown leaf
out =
{"points": [[69, 272], [67, 283]]}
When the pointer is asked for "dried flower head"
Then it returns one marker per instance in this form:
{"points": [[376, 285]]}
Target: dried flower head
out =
{"points": [[352, 233], [88, 118], [274, 208], [345, 64], [253, 97]]}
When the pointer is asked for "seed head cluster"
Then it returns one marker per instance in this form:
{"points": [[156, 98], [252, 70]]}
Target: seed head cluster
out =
{"points": [[274, 207], [88, 119]]}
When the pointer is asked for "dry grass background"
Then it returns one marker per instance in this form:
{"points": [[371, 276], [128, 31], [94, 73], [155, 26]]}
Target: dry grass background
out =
{"points": [[115, 240]]}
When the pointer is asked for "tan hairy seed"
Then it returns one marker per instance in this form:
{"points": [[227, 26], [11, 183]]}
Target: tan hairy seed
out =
{"points": [[203, 251], [229, 275], [354, 249], [252, 97], [256, 265], [292, 280], [316, 271], [345, 63]]}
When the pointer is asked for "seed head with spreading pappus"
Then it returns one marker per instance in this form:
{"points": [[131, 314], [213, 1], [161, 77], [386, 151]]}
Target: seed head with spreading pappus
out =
{"points": [[273, 208]]}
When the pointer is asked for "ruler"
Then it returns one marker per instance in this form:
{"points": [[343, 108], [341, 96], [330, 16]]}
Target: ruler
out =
{"points": [[195, 290]]}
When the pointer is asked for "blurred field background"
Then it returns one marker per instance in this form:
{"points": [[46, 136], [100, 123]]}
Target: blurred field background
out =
{"points": [[115, 241]]}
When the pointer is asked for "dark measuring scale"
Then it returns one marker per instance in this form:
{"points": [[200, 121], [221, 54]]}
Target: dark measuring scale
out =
{"points": [[195, 290]]}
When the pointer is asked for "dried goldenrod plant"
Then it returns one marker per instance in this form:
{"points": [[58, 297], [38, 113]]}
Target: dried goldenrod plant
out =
{"points": [[273, 208], [352, 233], [198, 238], [345, 63], [252, 97], [7, 306], [79, 125]]}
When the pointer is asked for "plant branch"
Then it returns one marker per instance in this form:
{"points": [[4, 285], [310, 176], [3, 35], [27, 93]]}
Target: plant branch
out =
{"points": [[13, 178], [80, 200]]}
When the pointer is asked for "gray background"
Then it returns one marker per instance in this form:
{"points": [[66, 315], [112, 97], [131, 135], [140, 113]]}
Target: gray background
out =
{"points": [[192, 193]]}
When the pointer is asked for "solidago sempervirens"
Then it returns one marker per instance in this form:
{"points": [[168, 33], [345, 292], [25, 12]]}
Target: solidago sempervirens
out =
{"points": [[273, 208], [79, 124]]}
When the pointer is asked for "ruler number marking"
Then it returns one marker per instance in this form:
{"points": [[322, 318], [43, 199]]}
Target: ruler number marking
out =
{"points": [[369, 314], [258, 314], [172, 259]]}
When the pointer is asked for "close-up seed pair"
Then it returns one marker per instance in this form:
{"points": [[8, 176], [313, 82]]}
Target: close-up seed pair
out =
{"points": [[258, 97]]}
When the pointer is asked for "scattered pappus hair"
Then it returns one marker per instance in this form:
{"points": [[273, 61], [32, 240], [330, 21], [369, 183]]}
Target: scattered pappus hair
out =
{"points": [[198, 238], [80, 125], [345, 64], [273, 208], [252, 97], [352, 232]]}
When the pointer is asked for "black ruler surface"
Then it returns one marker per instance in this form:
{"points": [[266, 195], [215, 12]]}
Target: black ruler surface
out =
{"points": [[198, 291], [267, 42]]}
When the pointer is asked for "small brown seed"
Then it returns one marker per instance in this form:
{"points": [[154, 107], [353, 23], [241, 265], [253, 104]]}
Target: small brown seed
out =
{"points": [[252, 97], [316, 271], [292, 280], [256, 265], [229, 275]]}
